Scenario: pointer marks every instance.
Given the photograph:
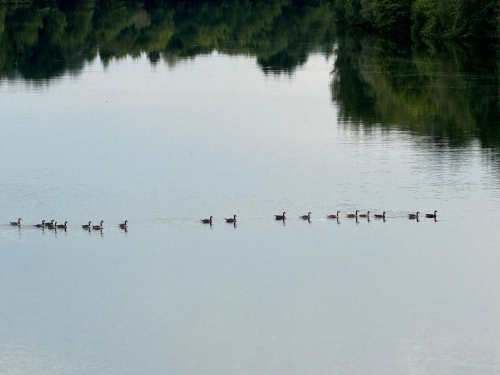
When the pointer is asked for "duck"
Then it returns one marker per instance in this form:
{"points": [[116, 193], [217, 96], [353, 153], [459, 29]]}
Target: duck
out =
{"points": [[48, 223], [333, 216], [40, 225], [280, 217], [98, 227], [124, 225], [207, 221], [352, 216], [365, 216], [431, 216], [63, 226], [413, 216], [306, 217], [52, 225], [85, 226], [378, 216], [16, 223], [231, 220]]}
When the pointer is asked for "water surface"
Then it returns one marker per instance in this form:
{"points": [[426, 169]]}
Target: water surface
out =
{"points": [[162, 137]]}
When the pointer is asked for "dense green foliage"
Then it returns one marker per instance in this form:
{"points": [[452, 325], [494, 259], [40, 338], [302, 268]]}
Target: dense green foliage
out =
{"points": [[451, 19], [42, 41], [447, 92]]}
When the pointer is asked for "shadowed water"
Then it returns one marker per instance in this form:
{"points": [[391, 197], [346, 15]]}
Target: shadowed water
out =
{"points": [[163, 117]]}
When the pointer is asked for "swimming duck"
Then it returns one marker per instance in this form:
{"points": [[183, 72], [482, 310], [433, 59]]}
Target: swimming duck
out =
{"points": [[378, 216], [65, 225], [16, 223], [352, 216], [231, 220], [365, 216], [98, 227], [280, 217], [431, 216], [207, 221], [85, 226], [124, 225], [413, 216], [40, 225], [334, 216], [52, 225], [48, 223], [306, 217]]}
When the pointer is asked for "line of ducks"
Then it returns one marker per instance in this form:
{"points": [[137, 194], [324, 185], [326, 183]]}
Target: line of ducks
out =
{"points": [[232, 220], [333, 216], [53, 225]]}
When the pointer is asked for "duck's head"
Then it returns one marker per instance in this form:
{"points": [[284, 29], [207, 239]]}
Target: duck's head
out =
{"points": [[338, 212]]}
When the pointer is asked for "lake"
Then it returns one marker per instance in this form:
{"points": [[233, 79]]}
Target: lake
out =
{"points": [[167, 114]]}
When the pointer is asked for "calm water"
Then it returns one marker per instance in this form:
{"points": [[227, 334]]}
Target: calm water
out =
{"points": [[259, 111]]}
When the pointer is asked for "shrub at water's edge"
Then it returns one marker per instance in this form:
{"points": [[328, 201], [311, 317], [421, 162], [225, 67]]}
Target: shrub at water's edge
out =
{"points": [[451, 19]]}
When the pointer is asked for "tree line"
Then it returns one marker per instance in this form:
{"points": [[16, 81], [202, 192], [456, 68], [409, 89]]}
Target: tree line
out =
{"points": [[43, 40]]}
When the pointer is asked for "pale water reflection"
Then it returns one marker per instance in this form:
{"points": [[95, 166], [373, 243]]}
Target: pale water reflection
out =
{"points": [[164, 148]]}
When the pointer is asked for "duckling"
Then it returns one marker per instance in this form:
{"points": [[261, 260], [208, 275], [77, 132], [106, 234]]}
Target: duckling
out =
{"points": [[85, 226], [98, 227], [48, 223], [62, 226], [413, 216], [280, 217], [365, 216], [207, 221], [378, 216], [124, 225], [40, 225], [231, 220], [431, 216], [16, 223], [352, 216], [306, 217], [334, 216]]}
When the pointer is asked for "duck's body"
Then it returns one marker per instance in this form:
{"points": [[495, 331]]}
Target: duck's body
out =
{"points": [[413, 216], [98, 227], [306, 217], [280, 217], [207, 221], [124, 225], [352, 216], [40, 225], [16, 223], [378, 216], [431, 216], [365, 216], [334, 216], [85, 226], [65, 225], [231, 220], [48, 223]]}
